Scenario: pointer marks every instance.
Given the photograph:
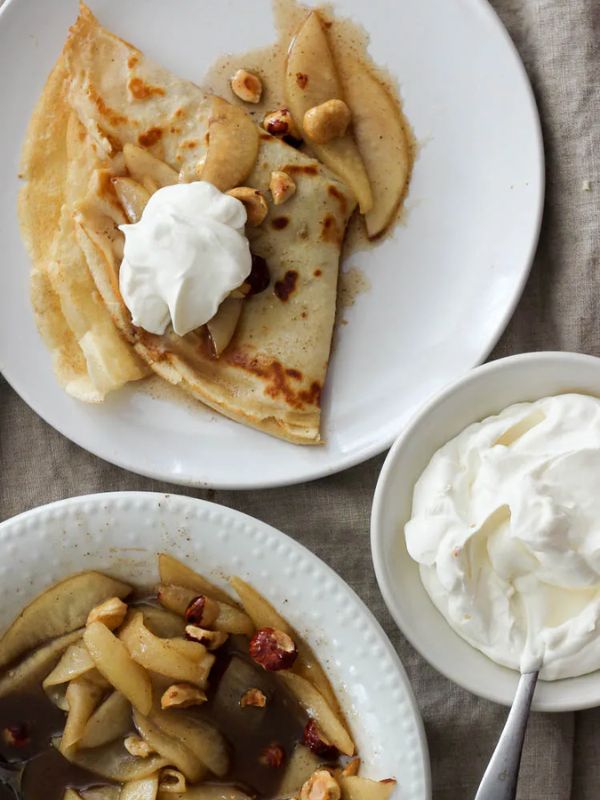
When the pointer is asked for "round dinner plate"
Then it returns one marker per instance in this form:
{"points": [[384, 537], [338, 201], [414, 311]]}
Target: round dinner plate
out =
{"points": [[441, 288], [122, 533]]}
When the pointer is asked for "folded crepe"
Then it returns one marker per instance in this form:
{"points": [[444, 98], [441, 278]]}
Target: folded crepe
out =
{"points": [[105, 94]]}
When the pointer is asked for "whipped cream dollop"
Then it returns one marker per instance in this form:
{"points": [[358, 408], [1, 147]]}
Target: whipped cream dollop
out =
{"points": [[183, 257], [506, 528]]}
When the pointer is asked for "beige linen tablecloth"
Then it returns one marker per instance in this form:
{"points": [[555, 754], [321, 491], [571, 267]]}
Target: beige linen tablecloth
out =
{"points": [[559, 41]]}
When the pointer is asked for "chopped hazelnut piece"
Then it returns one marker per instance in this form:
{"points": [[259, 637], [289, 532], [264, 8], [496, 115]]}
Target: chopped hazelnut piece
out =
{"points": [[327, 121], [253, 200], [247, 86], [137, 747], [202, 611], [111, 613], [172, 781], [212, 640], [272, 649], [321, 786], [281, 123], [253, 697], [282, 187], [182, 695]]}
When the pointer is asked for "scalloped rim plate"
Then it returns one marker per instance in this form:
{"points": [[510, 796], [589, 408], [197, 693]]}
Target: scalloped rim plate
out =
{"points": [[122, 532], [442, 287]]}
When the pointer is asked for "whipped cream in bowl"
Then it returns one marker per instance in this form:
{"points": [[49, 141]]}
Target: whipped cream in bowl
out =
{"points": [[505, 526], [184, 257], [485, 529]]}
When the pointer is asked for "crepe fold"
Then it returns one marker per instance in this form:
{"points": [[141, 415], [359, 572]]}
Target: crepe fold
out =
{"points": [[103, 94]]}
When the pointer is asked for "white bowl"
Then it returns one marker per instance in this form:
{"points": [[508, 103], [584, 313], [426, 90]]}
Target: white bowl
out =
{"points": [[122, 532], [484, 391]]}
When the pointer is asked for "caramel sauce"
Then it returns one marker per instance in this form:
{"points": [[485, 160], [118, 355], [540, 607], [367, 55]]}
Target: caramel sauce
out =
{"points": [[248, 731]]}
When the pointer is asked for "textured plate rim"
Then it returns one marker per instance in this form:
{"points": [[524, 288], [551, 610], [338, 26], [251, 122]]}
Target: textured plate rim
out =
{"points": [[71, 510], [380, 443]]}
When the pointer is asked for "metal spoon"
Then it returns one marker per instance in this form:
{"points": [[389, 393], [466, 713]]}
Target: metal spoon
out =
{"points": [[500, 779], [10, 776]]}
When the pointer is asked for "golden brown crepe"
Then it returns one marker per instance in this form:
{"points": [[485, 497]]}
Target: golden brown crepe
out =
{"points": [[103, 94]]}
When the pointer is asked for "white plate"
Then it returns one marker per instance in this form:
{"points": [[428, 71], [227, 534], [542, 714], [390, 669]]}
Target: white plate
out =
{"points": [[442, 289], [122, 532], [483, 392]]}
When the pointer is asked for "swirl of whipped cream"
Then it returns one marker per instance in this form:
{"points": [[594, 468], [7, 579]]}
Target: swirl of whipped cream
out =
{"points": [[183, 257], [506, 528]]}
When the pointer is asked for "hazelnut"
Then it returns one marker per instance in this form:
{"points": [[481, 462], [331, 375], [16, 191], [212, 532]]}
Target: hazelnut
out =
{"points": [[321, 786], [171, 781], [273, 649], [247, 86], [16, 735], [212, 640], [202, 611], [137, 746], [327, 121], [281, 123], [253, 697], [253, 200], [111, 613], [273, 755], [282, 187], [315, 740], [182, 695]]}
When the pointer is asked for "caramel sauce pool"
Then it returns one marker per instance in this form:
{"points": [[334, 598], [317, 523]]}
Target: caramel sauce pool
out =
{"points": [[248, 731], [269, 64]]}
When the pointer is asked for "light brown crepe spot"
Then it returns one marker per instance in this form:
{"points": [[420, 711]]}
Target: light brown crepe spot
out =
{"points": [[142, 90], [113, 117], [276, 381], [330, 231], [150, 137]]}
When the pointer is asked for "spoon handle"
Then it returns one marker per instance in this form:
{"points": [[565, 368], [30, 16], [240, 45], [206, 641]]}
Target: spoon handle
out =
{"points": [[500, 778]]}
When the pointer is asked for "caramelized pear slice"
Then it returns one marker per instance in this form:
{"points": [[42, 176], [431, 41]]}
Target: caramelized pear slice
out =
{"points": [[199, 736], [143, 789], [319, 709], [101, 793], [143, 166], [82, 698], [173, 750], [36, 666], [298, 769], [222, 326], [175, 573], [232, 146], [162, 623], [179, 660], [75, 662], [113, 661], [132, 196], [311, 79], [60, 609], [113, 762], [355, 788], [111, 720], [209, 791], [382, 139]]}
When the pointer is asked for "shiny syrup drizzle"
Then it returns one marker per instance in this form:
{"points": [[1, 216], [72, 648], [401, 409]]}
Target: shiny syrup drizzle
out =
{"points": [[248, 731]]}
